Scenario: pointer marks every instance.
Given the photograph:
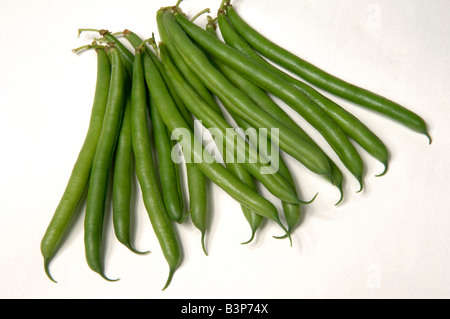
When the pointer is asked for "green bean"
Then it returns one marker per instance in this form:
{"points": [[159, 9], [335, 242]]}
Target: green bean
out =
{"points": [[146, 173], [168, 173], [198, 200], [101, 164], [324, 80], [351, 125], [303, 151], [278, 87], [122, 179], [78, 181], [215, 171]]}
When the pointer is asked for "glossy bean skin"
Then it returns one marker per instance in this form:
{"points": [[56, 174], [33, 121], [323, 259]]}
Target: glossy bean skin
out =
{"points": [[238, 169], [254, 219], [79, 178], [197, 182], [213, 170], [351, 125], [181, 64], [169, 172], [260, 97], [292, 212], [123, 171], [324, 80], [101, 167], [277, 86], [126, 55], [242, 105], [146, 171], [214, 119]]}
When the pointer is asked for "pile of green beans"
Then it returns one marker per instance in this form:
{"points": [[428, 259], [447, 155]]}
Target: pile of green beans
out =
{"points": [[147, 91]]}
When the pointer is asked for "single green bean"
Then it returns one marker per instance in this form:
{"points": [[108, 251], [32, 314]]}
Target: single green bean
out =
{"points": [[122, 179], [78, 181], [101, 165], [146, 172]]}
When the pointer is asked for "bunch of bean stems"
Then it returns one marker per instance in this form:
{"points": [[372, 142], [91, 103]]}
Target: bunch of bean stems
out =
{"points": [[145, 95]]}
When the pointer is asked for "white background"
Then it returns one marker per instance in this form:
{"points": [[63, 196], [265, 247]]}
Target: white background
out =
{"points": [[391, 241]]}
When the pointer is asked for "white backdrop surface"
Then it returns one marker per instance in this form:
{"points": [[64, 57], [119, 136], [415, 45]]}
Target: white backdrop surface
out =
{"points": [[390, 241]]}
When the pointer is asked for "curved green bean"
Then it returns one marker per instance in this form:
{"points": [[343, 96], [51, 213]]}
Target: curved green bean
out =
{"points": [[101, 165], [79, 177], [122, 179], [146, 172]]}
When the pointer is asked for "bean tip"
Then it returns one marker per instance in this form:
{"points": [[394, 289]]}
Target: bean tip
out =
{"points": [[384, 171], [204, 244], [169, 278], [47, 271], [251, 238]]}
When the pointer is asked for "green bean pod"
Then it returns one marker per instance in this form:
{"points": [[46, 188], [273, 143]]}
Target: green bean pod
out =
{"points": [[122, 179], [351, 125], [79, 177], [278, 87], [168, 173], [213, 170], [242, 105], [101, 166], [324, 80], [146, 172]]}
